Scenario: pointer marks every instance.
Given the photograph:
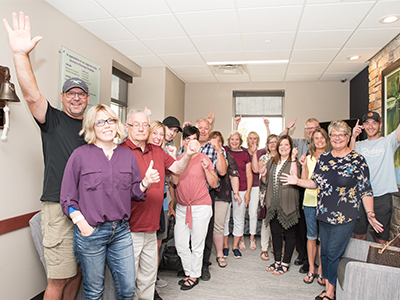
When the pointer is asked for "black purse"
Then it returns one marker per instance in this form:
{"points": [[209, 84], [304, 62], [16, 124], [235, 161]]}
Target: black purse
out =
{"points": [[170, 259]]}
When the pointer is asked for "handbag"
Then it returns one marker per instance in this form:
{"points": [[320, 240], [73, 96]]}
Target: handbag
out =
{"points": [[170, 259], [381, 255], [263, 209]]}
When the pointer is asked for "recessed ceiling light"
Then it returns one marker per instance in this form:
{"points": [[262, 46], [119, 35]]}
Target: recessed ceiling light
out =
{"points": [[353, 57], [267, 41], [389, 19], [249, 62]]}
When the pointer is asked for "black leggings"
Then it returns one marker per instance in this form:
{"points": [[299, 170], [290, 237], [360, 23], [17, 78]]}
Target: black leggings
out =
{"points": [[277, 232]]}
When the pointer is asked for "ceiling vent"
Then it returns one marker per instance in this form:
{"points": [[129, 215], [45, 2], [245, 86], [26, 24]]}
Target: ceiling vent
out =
{"points": [[230, 69]]}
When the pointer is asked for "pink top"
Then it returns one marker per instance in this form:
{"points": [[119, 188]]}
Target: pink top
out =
{"points": [[192, 187]]}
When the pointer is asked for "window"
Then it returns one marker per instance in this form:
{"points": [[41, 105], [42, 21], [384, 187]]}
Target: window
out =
{"points": [[253, 106], [119, 93]]}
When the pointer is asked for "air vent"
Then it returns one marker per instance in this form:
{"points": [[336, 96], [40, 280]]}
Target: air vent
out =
{"points": [[230, 69]]}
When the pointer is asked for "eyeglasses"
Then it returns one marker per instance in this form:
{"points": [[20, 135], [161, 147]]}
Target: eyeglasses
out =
{"points": [[101, 123], [340, 135], [71, 95], [310, 128], [270, 143], [137, 125]]}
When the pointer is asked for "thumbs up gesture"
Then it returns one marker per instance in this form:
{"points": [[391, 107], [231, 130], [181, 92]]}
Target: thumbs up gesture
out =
{"points": [[151, 176]]}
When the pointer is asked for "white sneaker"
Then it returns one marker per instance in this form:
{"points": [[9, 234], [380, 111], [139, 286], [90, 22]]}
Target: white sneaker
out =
{"points": [[161, 283]]}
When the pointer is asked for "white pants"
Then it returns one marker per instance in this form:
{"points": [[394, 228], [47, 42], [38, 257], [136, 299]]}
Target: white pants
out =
{"points": [[253, 210], [145, 250], [238, 212], [265, 236], [192, 260]]}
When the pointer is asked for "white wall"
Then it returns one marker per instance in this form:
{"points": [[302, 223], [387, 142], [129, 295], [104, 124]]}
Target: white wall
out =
{"points": [[22, 276], [322, 100]]}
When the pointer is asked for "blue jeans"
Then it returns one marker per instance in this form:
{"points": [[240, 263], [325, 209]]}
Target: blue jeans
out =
{"points": [[310, 214], [110, 242], [334, 240]]}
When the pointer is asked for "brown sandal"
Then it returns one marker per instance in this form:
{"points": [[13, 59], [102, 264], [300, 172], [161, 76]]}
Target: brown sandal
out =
{"points": [[264, 255], [221, 262]]}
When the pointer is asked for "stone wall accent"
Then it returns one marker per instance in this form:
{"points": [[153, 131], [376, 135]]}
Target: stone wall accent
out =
{"points": [[384, 58]]}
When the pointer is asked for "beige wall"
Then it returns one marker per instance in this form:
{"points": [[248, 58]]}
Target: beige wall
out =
{"points": [[322, 100], [20, 157]]}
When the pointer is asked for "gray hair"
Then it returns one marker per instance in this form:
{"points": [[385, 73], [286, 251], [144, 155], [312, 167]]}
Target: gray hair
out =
{"points": [[203, 120], [137, 111]]}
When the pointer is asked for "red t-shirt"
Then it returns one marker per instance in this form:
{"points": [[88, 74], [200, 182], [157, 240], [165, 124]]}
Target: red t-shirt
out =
{"points": [[145, 215], [242, 158]]}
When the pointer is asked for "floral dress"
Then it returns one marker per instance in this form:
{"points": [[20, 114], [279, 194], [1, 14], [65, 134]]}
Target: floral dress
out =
{"points": [[342, 182]]}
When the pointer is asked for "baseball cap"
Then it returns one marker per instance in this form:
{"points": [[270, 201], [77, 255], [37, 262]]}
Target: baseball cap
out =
{"points": [[371, 115], [73, 83], [172, 122]]}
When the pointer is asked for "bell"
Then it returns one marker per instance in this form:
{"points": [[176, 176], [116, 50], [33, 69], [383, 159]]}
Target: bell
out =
{"points": [[7, 92]]}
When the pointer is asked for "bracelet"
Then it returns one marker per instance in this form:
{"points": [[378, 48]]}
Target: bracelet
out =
{"points": [[370, 212], [145, 187], [222, 152], [77, 219]]}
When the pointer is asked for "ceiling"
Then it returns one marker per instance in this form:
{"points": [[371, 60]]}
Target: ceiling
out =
{"points": [[315, 36]]}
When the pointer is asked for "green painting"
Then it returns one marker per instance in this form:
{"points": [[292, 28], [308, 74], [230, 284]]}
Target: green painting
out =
{"points": [[392, 94]]}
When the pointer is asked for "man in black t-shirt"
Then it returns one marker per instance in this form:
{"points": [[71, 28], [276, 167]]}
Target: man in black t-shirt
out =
{"points": [[60, 136]]}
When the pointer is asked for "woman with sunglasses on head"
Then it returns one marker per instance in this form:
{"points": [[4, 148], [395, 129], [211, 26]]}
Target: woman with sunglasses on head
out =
{"points": [[100, 181], [342, 179], [193, 211]]}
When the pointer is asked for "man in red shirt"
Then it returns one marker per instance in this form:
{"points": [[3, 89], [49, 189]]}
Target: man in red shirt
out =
{"points": [[145, 216]]}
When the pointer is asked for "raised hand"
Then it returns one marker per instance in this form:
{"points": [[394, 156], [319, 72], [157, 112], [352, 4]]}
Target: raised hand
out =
{"points": [[171, 150], [152, 175], [204, 163], [266, 122], [187, 123], [193, 147], [211, 117], [215, 144], [291, 124], [357, 129], [303, 160], [19, 37], [147, 111], [253, 148], [237, 121]]}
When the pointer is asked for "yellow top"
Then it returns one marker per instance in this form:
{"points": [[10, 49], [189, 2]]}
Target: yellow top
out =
{"points": [[310, 196]]}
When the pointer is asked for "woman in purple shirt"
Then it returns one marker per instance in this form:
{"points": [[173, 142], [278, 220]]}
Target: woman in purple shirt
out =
{"points": [[100, 180]]}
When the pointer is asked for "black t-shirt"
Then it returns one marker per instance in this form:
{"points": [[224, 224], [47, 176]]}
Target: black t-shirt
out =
{"points": [[60, 137]]}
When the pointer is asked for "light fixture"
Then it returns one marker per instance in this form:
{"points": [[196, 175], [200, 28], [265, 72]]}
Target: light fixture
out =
{"points": [[7, 94], [249, 62], [389, 19], [353, 57]]}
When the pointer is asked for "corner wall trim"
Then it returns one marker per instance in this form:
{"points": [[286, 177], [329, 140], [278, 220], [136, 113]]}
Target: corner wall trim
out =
{"points": [[16, 223]]}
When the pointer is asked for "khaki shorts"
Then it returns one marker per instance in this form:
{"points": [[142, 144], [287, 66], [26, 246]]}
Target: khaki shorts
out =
{"points": [[57, 230]]}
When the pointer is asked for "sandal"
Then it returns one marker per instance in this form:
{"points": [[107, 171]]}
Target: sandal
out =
{"points": [[321, 280], [320, 297], [253, 245], [221, 262], [189, 284], [309, 278], [274, 266], [283, 268], [264, 255], [242, 246]]}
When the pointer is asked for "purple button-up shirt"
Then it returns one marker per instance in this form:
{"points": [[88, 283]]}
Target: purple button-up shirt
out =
{"points": [[99, 188]]}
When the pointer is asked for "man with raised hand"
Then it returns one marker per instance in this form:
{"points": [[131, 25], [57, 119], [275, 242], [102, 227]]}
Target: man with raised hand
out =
{"points": [[379, 154], [145, 215], [60, 136]]}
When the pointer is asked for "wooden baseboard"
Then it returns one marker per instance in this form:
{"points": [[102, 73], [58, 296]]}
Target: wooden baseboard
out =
{"points": [[15, 223]]}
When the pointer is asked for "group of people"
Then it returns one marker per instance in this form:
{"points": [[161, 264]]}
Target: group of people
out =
{"points": [[108, 203]]}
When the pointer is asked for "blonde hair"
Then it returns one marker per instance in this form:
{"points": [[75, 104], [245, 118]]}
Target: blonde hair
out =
{"points": [[258, 139], [339, 125], [232, 134], [269, 138], [153, 127], [90, 118]]}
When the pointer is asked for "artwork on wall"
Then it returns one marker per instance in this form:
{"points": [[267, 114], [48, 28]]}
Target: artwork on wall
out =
{"points": [[391, 102]]}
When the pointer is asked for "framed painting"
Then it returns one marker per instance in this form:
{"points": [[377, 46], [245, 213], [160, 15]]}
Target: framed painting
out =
{"points": [[391, 106]]}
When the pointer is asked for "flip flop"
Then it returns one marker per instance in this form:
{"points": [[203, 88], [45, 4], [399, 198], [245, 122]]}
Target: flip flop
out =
{"points": [[310, 278], [322, 280]]}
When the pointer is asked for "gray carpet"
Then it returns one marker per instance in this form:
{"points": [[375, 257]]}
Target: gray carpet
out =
{"points": [[243, 278]]}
